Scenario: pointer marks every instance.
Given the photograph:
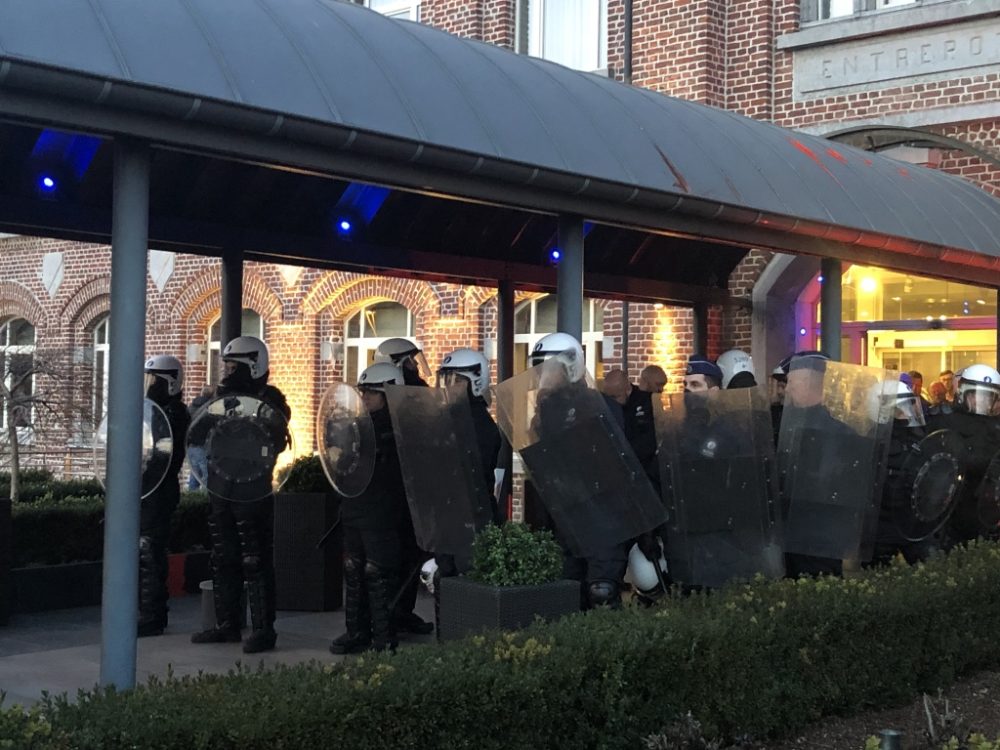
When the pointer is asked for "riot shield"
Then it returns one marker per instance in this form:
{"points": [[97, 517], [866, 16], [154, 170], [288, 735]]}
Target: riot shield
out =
{"points": [[442, 471], [717, 461], [988, 499], [583, 468], [242, 437], [832, 448], [346, 440], [922, 494], [157, 448]]}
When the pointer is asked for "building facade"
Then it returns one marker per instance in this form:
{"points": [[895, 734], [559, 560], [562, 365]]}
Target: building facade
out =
{"points": [[844, 68]]}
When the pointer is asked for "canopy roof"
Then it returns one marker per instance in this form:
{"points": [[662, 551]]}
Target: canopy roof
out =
{"points": [[272, 119]]}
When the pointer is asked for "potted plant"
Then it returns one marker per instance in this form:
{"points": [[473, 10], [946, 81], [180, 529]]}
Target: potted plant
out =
{"points": [[516, 576], [308, 563]]}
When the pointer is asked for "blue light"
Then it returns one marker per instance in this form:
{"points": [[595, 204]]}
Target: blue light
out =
{"points": [[46, 184], [820, 279], [555, 255], [802, 332], [344, 226]]}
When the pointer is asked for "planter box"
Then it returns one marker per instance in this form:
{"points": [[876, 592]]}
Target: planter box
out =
{"points": [[468, 607], [307, 578], [56, 586], [6, 543]]}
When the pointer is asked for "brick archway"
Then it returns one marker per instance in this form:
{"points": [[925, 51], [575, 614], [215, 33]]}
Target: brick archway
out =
{"points": [[201, 300], [16, 300], [337, 294]]}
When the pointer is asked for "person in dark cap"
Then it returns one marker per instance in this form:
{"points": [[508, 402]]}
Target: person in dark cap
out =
{"points": [[702, 374], [779, 380]]}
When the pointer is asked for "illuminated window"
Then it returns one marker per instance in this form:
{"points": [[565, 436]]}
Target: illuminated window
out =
{"points": [[17, 361], [573, 33], [251, 325], [536, 318], [369, 327], [100, 399], [408, 9]]}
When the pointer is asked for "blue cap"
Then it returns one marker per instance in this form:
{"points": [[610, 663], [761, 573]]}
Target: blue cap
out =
{"points": [[904, 377], [810, 359], [699, 365]]}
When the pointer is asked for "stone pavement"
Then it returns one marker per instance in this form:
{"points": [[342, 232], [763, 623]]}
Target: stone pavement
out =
{"points": [[61, 651]]}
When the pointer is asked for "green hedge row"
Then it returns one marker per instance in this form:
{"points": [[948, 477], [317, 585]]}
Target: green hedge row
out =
{"points": [[761, 659], [39, 485], [71, 529]]}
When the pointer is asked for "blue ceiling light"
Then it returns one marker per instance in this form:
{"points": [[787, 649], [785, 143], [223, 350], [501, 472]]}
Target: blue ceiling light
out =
{"points": [[344, 226], [555, 254], [802, 332], [47, 184]]}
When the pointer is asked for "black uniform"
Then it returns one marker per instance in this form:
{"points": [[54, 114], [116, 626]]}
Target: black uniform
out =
{"points": [[154, 517], [641, 431], [372, 549], [981, 436], [243, 538], [887, 539]]}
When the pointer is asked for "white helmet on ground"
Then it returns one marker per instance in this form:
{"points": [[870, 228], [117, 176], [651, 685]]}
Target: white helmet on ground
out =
{"points": [[398, 349], [167, 368], [375, 377], [732, 362], [979, 384], [565, 347], [251, 351], [468, 364], [641, 573]]}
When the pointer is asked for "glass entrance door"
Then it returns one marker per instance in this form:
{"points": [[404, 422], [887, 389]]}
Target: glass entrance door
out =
{"points": [[930, 352]]}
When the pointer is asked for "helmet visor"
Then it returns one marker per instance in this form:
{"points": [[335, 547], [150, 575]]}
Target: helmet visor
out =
{"points": [[982, 401], [910, 409]]}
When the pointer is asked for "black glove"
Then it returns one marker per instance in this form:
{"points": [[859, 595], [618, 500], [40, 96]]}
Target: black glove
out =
{"points": [[649, 545]]}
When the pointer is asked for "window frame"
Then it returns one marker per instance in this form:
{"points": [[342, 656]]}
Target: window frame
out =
{"points": [[812, 11], [593, 336], [410, 7], [529, 14], [363, 345], [6, 349], [102, 354]]}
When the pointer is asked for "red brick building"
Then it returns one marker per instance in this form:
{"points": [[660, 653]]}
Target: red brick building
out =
{"points": [[825, 66]]}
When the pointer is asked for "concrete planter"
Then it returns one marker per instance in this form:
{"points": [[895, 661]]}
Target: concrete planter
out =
{"points": [[468, 607], [56, 586]]}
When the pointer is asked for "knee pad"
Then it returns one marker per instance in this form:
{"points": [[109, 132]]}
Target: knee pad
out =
{"points": [[353, 565], [145, 545], [251, 564], [604, 593]]}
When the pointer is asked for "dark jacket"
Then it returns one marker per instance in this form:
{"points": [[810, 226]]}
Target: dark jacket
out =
{"points": [[383, 503], [179, 419], [640, 430]]}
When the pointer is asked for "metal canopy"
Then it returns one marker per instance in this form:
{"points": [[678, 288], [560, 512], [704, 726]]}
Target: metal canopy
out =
{"points": [[264, 113]]}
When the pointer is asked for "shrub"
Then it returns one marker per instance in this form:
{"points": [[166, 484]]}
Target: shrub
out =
{"points": [[764, 659], [305, 474], [38, 484], [51, 532], [514, 555]]}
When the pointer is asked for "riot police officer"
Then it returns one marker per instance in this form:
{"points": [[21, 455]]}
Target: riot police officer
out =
{"points": [[409, 358], [371, 525], [602, 572], [243, 532], [164, 382], [973, 418]]}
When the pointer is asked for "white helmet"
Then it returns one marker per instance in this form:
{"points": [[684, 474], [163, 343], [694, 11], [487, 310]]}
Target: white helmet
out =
{"points": [[983, 383], [249, 350], [168, 368], [565, 347], [642, 573], [908, 406], [468, 364], [427, 574], [375, 377], [398, 349], [733, 362], [882, 400]]}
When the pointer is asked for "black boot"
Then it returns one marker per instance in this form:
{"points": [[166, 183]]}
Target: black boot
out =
{"points": [[381, 584], [227, 578], [152, 610], [357, 617], [260, 589]]}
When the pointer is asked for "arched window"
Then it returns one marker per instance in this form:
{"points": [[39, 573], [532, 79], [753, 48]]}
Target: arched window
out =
{"points": [[537, 317], [369, 327], [251, 325], [17, 361], [100, 400]]}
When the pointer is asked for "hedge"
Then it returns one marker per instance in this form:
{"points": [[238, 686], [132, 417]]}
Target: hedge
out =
{"points": [[39, 485], [71, 529], [762, 659]]}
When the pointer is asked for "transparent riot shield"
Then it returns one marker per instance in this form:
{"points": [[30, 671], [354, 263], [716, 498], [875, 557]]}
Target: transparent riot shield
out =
{"points": [[922, 494], [346, 440], [157, 448], [439, 458], [832, 447], [242, 437], [717, 464], [988, 499], [583, 468]]}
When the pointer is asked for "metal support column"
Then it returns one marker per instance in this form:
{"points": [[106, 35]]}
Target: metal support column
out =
{"points": [[699, 324], [830, 307], [129, 239], [569, 282], [505, 370], [627, 77], [232, 296]]}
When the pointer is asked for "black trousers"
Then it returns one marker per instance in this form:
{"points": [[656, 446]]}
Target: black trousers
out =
{"points": [[154, 536]]}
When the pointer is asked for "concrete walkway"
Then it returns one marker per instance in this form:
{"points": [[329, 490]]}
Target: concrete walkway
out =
{"points": [[61, 651]]}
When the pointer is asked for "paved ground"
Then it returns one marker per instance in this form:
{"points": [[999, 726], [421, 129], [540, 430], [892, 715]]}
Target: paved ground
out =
{"points": [[60, 651]]}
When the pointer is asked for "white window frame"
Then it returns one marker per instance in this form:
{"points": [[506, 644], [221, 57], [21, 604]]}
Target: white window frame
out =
{"points": [[362, 345], [23, 431], [530, 25], [590, 337], [406, 9], [850, 8], [215, 345], [102, 353]]}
